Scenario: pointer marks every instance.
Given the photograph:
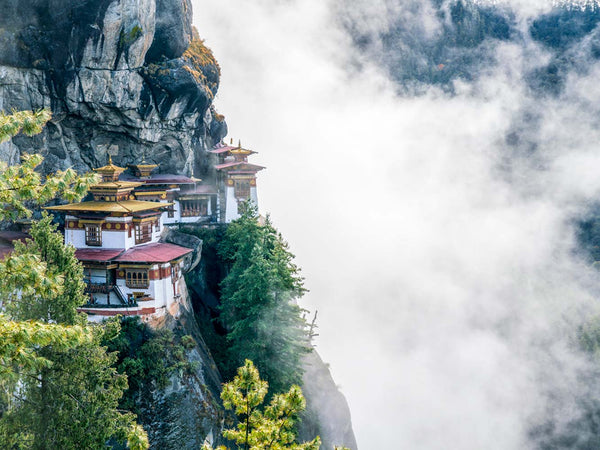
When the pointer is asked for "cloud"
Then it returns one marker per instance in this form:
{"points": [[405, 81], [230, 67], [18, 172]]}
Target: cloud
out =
{"points": [[440, 255]]}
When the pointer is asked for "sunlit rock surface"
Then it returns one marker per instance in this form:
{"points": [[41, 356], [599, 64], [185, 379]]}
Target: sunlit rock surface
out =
{"points": [[122, 77]]}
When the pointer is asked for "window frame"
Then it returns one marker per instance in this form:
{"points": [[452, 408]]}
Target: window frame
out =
{"points": [[143, 232], [93, 234], [137, 278]]}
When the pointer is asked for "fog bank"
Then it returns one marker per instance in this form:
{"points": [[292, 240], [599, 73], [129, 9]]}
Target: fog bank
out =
{"points": [[439, 254]]}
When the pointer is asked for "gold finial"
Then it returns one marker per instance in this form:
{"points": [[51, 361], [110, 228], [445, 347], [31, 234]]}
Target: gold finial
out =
{"points": [[109, 159], [240, 143], [231, 141]]}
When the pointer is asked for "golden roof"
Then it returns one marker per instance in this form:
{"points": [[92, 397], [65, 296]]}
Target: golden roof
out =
{"points": [[110, 168], [240, 150], [116, 185], [125, 206], [142, 165]]}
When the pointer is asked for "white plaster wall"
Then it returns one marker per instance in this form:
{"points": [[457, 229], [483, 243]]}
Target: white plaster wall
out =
{"points": [[176, 217], [254, 194], [231, 206], [116, 239], [75, 237], [161, 294], [110, 239]]}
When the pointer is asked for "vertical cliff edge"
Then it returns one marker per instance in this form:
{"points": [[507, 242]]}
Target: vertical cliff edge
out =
{"points": [[132, 79], [126, 78]]}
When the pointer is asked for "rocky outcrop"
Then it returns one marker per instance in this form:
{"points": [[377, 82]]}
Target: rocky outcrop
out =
{"points": [[327, 413], [192, 260], [188, 411], [127, 78]]}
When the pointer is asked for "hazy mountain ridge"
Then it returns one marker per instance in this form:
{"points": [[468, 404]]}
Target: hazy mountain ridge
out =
{"points": [[461, 37]]}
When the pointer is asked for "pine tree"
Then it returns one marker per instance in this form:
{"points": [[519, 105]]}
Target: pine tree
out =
{"points": [[273, 428], [59, 387], [258, 301], [60, 264]]}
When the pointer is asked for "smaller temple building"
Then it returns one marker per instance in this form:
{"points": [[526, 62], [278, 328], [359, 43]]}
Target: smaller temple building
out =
{"points": [[127, 270], [237, 177], [190, 200]]}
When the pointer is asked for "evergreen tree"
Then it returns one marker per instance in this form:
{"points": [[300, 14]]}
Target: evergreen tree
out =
{"points": [[58, 384], [258, 300], [72, 401], [269, 429], [61, 264]]}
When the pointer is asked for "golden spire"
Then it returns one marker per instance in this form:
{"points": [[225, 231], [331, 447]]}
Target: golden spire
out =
{"points": [[109, 159]]}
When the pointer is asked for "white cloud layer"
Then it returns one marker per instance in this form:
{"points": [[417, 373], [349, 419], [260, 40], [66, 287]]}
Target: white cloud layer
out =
{"points": [[441, 263]]}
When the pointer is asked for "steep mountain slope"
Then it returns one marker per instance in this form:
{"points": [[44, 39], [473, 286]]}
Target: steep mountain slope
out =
{"points": [[131, 79], [120, 77], [437, 42]]}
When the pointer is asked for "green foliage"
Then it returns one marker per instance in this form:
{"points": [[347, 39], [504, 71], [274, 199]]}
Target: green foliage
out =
{"points": [[60, 289], [71, 403], [273, 427], [258, 301], [21, 187], [22, 344], [28, 122], [59, 386], [148, 358]]}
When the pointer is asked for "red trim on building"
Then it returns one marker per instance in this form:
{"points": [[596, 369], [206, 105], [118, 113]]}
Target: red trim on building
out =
{"points": [[154, 253], [247, 166], [112, 312], [97, 254]]}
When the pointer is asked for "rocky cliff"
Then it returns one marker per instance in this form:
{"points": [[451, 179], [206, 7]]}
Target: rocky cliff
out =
{"points": [[127, 78], [132, 79]]}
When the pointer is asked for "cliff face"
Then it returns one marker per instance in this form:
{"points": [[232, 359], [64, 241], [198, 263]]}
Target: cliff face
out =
{"points": [[327, 413], [128, 78], [132, 79], [188, 411]]}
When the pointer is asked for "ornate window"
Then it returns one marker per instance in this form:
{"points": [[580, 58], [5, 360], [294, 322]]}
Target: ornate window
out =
{"points": [[143, 232], [193, 208], [137, 278], [93, 235], [242, 189]]}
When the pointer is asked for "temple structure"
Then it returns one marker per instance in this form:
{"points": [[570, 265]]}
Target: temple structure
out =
{"points": [[190, 200], [127, 270], [117, 231], [236, 177]]}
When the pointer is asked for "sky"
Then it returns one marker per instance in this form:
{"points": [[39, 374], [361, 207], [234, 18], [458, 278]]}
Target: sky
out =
{"points": [[441, 261]]}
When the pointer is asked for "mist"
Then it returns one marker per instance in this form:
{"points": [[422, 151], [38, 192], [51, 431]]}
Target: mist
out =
{"points": [[440, 255]]}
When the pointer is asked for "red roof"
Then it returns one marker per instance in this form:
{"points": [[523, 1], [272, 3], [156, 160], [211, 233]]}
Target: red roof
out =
{"points": [[247, 166], [158, 252], [97, 254], [11, 236], [161, 178]]}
